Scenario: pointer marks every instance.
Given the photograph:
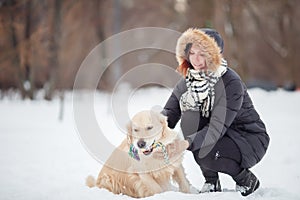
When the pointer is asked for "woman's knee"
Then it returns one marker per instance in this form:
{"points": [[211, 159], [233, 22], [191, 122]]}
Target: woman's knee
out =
{"points": [[206, 162]]}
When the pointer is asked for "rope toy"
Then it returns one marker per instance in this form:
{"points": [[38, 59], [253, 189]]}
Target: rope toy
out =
{"points": [[133, 152], [164, 150]]}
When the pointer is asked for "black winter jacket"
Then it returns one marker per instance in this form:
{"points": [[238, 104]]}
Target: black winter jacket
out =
{"points": [[233, 114]]}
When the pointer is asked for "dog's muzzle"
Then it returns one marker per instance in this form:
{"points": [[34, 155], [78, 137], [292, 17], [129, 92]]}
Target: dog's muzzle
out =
{"points": [[146, 150]]}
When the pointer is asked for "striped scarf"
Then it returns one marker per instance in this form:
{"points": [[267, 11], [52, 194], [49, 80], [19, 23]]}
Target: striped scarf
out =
{"points": [[200, 94]]}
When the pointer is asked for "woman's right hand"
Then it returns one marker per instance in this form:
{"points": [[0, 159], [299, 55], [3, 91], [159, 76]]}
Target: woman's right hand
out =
{"points": [[173, 149]]}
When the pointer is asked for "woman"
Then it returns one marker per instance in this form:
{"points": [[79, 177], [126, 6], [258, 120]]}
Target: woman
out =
{"points": [[219, 123]]}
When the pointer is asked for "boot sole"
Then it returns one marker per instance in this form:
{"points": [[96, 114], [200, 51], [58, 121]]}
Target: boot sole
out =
{"points": [[254, 188]]}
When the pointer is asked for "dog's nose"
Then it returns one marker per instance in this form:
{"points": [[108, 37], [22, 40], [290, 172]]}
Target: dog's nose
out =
{"points": [[141, 143]]}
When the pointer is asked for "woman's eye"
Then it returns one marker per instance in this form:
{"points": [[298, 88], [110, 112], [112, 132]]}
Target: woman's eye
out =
{"points": [[192, 53], [149, 128]]}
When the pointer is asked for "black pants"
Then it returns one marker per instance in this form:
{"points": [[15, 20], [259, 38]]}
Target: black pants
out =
{"points": [[225, 157]]}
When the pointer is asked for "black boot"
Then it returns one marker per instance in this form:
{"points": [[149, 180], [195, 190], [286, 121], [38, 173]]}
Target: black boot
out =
{"points": [[246, 182], [211, 186]]}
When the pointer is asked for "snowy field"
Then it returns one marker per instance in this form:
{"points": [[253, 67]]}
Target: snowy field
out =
{"points": [[43, 158]]}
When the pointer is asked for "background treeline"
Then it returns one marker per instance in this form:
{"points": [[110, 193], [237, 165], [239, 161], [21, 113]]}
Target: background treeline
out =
{"points": [[43, 42]]}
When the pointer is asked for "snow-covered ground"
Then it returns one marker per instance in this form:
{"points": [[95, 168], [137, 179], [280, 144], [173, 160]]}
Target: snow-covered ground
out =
{"points": [[43, 158]]}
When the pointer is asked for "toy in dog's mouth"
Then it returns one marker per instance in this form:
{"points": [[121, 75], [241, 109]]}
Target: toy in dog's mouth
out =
{"points": [[133, 152], [147, 151]]}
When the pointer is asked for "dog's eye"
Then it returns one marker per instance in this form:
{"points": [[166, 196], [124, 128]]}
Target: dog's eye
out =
{"points": [[149, 127], [135, 130]]}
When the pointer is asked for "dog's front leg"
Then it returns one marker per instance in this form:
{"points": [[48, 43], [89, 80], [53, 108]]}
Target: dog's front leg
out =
{"points": [[180, 178], [151, 186]]}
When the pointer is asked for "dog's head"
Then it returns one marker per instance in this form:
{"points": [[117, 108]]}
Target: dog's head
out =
{"points": [[146, 128]]}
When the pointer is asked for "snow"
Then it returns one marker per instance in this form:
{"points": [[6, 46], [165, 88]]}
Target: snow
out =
{"points": [[44, 158]]}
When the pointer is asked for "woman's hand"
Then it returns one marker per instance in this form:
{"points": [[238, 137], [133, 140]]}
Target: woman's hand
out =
{"points": [[175, 148]]}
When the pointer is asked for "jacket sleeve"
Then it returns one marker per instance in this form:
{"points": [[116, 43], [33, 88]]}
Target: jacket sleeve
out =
{"points": [[228, 102], [172, 107]]}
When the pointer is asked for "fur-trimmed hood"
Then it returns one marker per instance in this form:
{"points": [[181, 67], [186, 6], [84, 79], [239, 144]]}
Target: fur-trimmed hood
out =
{"points": [[211, 50]]}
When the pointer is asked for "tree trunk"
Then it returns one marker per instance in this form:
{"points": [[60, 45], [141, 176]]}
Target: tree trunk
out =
{"points": [[55, 31], [29, 71], [16, 62]]}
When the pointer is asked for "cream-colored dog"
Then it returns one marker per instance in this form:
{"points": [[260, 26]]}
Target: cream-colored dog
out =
{"points": [[131, 168]]}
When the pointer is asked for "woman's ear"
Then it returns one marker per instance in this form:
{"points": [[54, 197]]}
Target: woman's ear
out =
{"points": [[129, 133]]}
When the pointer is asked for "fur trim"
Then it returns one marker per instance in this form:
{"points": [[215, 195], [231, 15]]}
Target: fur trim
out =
{"points": [[210, 48]]}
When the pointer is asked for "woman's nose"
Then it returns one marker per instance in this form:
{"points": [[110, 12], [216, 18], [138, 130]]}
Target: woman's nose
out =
{"points": [[197, 58]]}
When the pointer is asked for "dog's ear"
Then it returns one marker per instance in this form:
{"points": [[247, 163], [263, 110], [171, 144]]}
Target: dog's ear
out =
{"points": [[163, 120], [129, 133]]}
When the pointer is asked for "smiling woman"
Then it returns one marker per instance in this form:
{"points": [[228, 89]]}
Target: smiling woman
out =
{"points": [[197, 58], [224, 131]]}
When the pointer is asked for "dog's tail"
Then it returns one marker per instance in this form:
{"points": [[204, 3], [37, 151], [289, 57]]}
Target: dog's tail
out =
{"points": [[90, 181]]}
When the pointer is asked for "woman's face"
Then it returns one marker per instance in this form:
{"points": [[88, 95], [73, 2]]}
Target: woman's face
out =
{"points": [[197, 58]]}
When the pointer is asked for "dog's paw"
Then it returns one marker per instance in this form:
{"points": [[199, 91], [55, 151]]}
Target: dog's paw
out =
{"points": [[90, 181]]}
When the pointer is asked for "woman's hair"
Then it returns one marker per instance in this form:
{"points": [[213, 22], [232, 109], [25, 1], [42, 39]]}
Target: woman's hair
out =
{"points": [[206, 42], [182, 69]]}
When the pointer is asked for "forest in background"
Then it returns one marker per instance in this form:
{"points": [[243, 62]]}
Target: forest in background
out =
{"points": [[44, 42]]}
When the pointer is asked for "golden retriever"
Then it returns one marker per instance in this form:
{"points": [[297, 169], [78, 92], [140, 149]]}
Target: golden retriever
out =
{"points": [[141, 175]]}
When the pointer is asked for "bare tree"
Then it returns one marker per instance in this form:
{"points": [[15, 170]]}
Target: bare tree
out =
{"points": [[54, 46], [15, 53], [290, 33], [234, 41], [29, 70]]}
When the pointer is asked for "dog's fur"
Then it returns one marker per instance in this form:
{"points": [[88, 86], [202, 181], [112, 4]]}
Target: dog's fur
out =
{"points": [[148, 176]]}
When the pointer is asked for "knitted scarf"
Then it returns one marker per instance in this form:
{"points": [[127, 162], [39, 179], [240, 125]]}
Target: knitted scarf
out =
{"points": [[200, 94]]}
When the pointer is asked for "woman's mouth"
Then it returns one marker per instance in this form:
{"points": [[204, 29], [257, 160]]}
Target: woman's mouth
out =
{"points": [[199, 67]]}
